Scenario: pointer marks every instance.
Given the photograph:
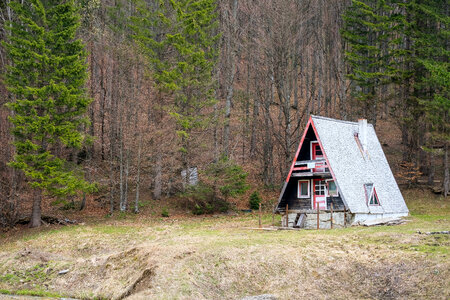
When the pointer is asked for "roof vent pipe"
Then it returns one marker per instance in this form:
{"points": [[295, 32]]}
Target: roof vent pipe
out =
{"points": [[362, 133]]}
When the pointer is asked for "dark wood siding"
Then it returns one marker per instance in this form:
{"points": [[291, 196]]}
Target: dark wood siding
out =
{"points": [[305, 151], [338, 204], [290, 198]]}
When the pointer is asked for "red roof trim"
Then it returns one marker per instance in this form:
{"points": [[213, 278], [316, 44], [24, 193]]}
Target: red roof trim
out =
{"points": [[299, 147], [324, 154]]}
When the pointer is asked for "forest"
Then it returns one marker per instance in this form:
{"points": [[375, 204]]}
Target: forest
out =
{"points": [[116, 101]]}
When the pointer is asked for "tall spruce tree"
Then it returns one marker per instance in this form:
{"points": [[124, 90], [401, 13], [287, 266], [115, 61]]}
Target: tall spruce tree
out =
{"points": [[46, 79], [430, 31], [182, 56], [404, 44], [369, 33]]}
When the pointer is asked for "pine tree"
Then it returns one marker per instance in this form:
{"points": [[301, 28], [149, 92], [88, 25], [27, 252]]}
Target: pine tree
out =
{"points": [[367, 31], [430, 31], [182, 56], [404, 44], [46, 79]]}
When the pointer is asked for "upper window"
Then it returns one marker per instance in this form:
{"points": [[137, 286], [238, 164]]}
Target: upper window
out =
{"points": [[371, 194], [316, 151], [332, 188], [303, 189]]}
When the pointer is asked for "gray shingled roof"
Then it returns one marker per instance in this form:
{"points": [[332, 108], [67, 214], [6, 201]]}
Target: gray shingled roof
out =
{"points": [[352, 169]]}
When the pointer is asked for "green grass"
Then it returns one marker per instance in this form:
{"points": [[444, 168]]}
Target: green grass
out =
{"points": [[37, 274], [5, 292], [37, 293], [27, 292], [224, 257]]}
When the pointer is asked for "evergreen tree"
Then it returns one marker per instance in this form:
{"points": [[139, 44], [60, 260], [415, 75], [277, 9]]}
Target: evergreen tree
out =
{"points": [[46, 78], [179, 37], [430, 30], [404, 44], [370, 32], [360, 32]]}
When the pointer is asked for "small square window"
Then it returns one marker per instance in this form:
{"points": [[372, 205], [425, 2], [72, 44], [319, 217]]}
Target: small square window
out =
{"points": [[303, 189]]}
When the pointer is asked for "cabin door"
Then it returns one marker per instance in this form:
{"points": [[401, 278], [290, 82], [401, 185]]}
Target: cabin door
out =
{"points": [[317, 153], [319, 197]]}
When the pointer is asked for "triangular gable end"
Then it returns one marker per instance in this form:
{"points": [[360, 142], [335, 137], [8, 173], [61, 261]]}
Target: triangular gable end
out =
{"points": [[309, 125]]}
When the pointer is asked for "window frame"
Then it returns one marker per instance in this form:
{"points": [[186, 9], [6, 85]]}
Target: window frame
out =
{"points": [[324, 186], [373, 192], [299, 194], [328, 190]]}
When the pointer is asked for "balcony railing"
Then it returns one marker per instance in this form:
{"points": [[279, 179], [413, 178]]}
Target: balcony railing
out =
{"points": [[306, 168]]}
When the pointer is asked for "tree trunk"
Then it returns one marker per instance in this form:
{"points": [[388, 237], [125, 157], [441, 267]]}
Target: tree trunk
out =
{"points": [[230, 80], [157, 188], [446, 185], [121, 166], [91, 92], [431, 169], [138, 176], [103, 108], [36, 212], [268, 145], [230, 90], [254, 122], [83, 201], [125, 192], [111, 180]]}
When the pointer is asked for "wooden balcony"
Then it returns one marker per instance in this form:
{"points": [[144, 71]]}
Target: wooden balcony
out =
{"points": [[309, 168]]}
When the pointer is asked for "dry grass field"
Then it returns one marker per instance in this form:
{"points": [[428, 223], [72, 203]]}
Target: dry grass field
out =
{"points": [[221, 257]]}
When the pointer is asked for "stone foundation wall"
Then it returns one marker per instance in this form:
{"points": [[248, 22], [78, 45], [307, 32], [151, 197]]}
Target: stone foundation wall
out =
{"points": [[324, 220]]}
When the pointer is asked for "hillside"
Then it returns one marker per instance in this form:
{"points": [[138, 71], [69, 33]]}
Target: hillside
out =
{"points": [[220, 256], [122, 97]]}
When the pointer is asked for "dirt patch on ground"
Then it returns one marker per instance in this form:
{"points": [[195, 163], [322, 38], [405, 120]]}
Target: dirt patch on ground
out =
{"points": [[217, 258]]}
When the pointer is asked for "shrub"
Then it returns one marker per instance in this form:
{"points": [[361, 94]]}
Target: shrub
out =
{"points": [[255, 200], [228, 178], [200, 199], [223, 179], [165, 212]]}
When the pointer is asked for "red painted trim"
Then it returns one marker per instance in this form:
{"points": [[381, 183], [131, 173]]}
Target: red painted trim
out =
{"points": [[310, 122], [365, 193], [298, 149], [318, 167], [314, 193], [374, 191], [314, 150], [300, 169], [376, 196], [325, 155]]}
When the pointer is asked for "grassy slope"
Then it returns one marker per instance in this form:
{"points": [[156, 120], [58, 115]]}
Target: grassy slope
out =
{"points": [[220, 258]]}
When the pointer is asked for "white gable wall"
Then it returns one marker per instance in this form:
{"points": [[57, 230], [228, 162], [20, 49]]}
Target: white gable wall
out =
{"points": [[352, 169]]}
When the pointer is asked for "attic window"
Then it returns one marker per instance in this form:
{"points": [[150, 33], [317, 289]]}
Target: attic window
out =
{"points": [[371, 194]]}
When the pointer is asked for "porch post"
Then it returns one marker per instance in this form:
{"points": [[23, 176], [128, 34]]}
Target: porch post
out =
{"points": [[331, 212], [318, 211], [287, 215]]}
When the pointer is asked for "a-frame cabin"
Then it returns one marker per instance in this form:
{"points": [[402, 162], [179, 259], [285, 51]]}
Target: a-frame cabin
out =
{"points": [[339, 164]]}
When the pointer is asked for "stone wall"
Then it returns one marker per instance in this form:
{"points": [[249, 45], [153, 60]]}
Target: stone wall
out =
{"points": [[324, 220]]}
